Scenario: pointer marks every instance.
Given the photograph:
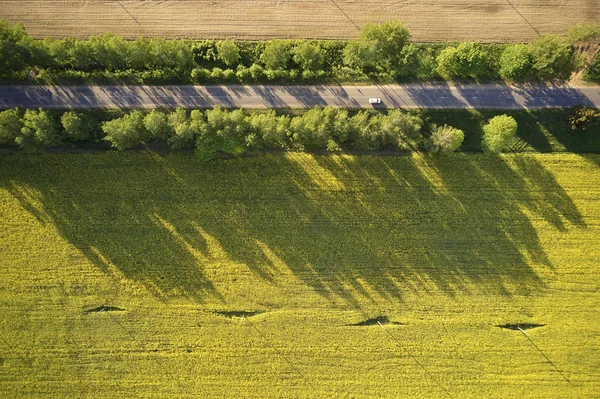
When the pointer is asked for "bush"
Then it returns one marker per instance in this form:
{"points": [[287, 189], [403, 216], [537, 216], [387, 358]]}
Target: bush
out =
{"points": [[217, 74], [446, 139], [242, 73], [499, 133], [126, 132], [517, 64], [77, 126], [256, 71], [200, 75], [584, 117], [10, 126], [584, 33], [592, 73]]}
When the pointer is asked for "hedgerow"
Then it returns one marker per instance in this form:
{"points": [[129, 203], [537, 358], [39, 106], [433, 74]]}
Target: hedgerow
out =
{"points": [[381, 52], [319, 129]]}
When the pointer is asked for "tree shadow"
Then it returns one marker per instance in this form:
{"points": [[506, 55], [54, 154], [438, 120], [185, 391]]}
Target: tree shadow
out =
{"points": [[353, 229]]}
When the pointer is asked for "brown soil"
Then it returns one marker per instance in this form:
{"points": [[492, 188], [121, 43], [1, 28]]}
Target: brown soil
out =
{"points": [[429, 20]]}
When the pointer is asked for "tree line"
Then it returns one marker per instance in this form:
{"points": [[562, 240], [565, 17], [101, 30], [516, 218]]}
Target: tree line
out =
{"points": [[240, 131], [382, 52]]}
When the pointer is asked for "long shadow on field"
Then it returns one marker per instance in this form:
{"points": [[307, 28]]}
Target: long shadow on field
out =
{"points": [[351, 228]]}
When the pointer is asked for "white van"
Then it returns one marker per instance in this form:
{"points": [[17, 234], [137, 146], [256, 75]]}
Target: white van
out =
{"points": [[374, 100]]}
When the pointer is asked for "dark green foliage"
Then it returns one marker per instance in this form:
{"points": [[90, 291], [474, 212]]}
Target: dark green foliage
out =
{"points": [[467, 60], [15, 49], [360, 55], [552, 57], [517, 63], [388, 38], [320, 129], [157, 124], [78, 126], [308, 56], [228, 52], [381, 52], [272, 129], [592, 73], [330, 128], [126, 132], [10, 126], [584, 117], [39, 130], [276, 54]]}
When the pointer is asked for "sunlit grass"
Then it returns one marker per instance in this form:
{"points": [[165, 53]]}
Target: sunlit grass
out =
{"points": [[309, 245]]}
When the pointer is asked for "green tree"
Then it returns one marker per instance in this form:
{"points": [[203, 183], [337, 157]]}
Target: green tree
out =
{"points": [[10, 126], [224, 131], [157, 124], [39, 130], [360, 55], [272, 129], [468, 59], [400, 129], [320, 128], [228, 52], [389, 39], [516, 63], [77, 126], [365, 131], [276, 54], [15, 49], [309, 56], [552, 57], [125, 132], [186, 129], [446, 139], [499, 133]]}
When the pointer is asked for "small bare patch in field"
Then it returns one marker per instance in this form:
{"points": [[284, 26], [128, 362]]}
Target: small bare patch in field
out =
{"points": [[429, 20]]}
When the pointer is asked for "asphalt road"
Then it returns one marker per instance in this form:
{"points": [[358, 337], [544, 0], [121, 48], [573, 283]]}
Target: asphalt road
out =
{"points": [[392, 96]]}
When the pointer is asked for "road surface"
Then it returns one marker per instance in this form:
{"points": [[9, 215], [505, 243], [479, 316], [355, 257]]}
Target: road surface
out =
{"points": [[488, 96]]}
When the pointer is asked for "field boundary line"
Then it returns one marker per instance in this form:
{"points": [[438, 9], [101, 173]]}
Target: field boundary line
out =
{"points": [[543, 354], [439, 384]]}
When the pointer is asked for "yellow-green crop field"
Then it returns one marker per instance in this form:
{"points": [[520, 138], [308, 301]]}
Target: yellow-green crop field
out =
{"points": [[257, 277]]}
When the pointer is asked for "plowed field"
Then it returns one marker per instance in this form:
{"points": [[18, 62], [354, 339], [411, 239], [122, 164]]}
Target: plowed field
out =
{"points": [[429, 20]]}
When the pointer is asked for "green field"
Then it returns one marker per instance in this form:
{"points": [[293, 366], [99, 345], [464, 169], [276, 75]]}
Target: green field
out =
{"points": [[446, 249]]}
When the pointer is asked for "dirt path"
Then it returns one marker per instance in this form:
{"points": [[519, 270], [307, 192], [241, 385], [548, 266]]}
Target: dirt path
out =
{"points": [[429, 20]]}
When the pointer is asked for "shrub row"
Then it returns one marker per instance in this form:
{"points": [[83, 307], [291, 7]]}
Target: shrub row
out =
{"points": [[381, 52], [241, 131]]}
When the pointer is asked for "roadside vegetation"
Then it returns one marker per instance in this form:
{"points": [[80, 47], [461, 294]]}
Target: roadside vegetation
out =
{"points": [[381, 52], [218, 131]]}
